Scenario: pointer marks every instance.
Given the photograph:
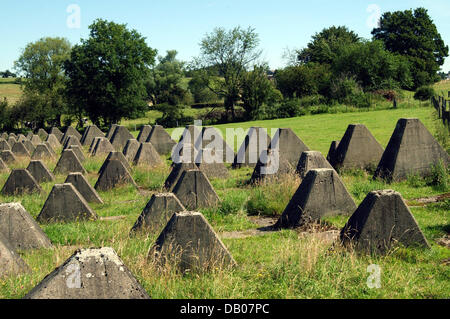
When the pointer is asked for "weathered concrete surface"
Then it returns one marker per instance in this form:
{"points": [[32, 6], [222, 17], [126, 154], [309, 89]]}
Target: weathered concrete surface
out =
{"points": [[115, 156], [357, 149], [3, 166], [120, 137], [8, 157], [19, 182], [211, 163], [19, 150], [12, 140], [71, 141], [147, 155], [130, 149], [90, 133], [78, 152], [190, 243], [144, 133], [311, 160], [29, 146], [35, 140], [58, 134], [30, 135], [41, 152], [68, 163], [176, 172], [381, 221], [113, 174], [194, 190], [70, 131], [254, 143], [21, 138], [65, 204], [161, 140], [271, 165], [96, 273], [184, 152], [4, 136], [4, 145], [102, 147], [53, 141], [411, 150], [111, 131], [51, 149], [289, 145], [43, 135], [20, 228], [93, 145], [191, 135], [320, 194], [83, 186], [158, 212], [40, 173], [10, 262], [213, 139]]}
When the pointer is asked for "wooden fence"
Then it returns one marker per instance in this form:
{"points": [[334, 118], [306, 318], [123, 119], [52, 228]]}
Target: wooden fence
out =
{"points": [[442, 105]]}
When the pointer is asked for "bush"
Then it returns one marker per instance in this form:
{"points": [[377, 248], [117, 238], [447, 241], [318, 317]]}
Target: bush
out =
{"points": [[424, 93], [439, 177], [173, 116]]}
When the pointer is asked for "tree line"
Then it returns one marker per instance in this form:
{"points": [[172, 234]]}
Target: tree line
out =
{"points": [[114, 74]]}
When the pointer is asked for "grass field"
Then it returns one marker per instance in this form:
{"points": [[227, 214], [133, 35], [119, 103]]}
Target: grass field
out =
{"points": [[284, 264], [10, 90]]}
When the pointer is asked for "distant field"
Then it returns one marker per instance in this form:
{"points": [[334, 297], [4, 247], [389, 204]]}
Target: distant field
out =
{"points": [[9, 90]]}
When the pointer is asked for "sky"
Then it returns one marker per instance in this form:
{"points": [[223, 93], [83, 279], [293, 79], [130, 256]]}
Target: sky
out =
{"points": [[180, 24]]}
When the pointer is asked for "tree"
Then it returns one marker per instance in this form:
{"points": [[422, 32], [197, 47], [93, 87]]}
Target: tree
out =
{"points": [[257, 90], [164, 84], [107, 73], [7, 74], [232, 52], [41, 63], [324, 45], [414, 35]]}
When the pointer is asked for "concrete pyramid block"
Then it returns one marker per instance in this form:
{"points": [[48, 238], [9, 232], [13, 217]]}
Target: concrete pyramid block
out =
{"points": [[381, 221], [194, 190], [40, 173], [102, 147], [4, 145], [184, 153], [130, 149], [206, 162], [11, 141], [19, 150], [189, 242], [161, 140], [311, 160], [144, 133], [191, 135], [271, 165], [50, 148], [35, 140], [53, 141], [5, 136], [111, 131], [120, 137], [96, 273], [289, 145], [71, 141], [41, 152], [320, 194], [411, 150], [147, 155], [43, 135], [68, 163], [255, 142], [8, 157], [65, 204], [113, 174], [115, 156], [3, 166], [83, 186], [357, 149], [20, 181], [91, 132], [29, 146], [176, 172], [93, 144], [13, 135], [30, 135], [58, 134], [20, 228], [158, 212], [213, 139], [70, 131], [21, 138], [78, 152], [10, 262], [332, 152]]}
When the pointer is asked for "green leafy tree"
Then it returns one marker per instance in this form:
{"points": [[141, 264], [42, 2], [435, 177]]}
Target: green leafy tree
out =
{"points": [[41, 64], [107, 73], [414, 35], [325, 45], [231, 52], [198, 86]]}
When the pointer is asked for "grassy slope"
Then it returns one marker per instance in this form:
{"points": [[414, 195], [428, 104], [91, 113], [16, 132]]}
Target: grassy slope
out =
{"points": [[9, 90]]}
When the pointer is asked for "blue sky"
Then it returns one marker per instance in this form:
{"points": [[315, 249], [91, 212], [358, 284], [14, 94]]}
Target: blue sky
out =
{"points": [[181, 24]]}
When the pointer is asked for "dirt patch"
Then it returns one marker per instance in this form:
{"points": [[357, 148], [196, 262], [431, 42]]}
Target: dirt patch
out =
{"points": [[444, 241], [263, 221], [113, 218], [420, 202]]}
